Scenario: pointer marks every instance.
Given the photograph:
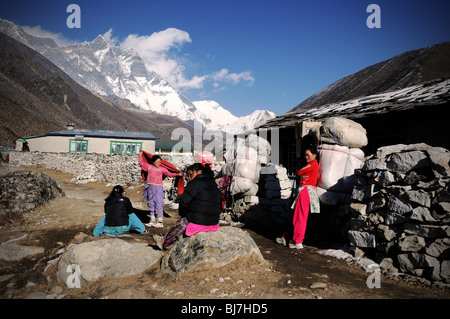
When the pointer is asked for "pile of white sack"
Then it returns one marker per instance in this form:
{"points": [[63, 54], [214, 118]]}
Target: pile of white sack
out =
{"points": [[339, 143], [254, 179], [245, 164]]}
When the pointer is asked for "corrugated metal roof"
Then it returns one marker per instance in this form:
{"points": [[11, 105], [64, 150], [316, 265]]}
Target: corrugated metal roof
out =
{"points": [[105, 134], [425, 94]]}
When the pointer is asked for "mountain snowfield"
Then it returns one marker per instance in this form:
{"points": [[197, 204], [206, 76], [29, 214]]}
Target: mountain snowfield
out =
{"points": [[112, 72], [215, 117]]}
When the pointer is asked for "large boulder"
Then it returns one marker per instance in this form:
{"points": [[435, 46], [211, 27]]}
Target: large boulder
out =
{"points": [[23, 190], [113, 257], [211, 250]]}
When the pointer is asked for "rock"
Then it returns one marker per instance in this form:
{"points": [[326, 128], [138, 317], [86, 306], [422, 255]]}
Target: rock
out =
{"points": [[317, 285], [11, 251], [440, 164], [375, 164], [399, 205], [445, 270], [387, 178], [404, 162], [23, 190], [361, 239], [211, 250], [361, 193], [386, 232], [422, 214], [411, 243], [112, 257], [36, 295], [440, 248], [358, 208], [393, 218], [387, 266], [427, 231], [419, 196]]}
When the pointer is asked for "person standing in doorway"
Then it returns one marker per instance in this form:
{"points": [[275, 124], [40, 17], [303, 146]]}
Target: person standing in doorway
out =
{"points": [[306, 201]]}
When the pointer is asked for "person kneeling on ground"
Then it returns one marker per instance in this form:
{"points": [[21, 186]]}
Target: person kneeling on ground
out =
{"points": [[119, 216], [199, 207]]}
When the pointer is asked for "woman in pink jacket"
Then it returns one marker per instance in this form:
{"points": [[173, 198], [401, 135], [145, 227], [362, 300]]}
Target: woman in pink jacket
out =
{"points": [[153, 191]]}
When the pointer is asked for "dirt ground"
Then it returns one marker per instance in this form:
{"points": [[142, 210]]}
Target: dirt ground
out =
{"points": [[288, 274]]}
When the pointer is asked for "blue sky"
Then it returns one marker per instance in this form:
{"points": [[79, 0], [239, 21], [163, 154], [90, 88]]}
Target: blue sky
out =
{"points": [[246, 55]]}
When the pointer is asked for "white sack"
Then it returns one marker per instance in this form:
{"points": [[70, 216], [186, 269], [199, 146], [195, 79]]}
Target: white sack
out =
{"points": [[331, 198], [246, 153], [241, 185], [261, 145], [345, 132], [247, 168], [332, 164]]}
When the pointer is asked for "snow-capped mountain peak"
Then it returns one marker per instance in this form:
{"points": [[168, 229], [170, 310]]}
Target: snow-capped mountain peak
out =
{"points": [[213, 116], [121, 76]]}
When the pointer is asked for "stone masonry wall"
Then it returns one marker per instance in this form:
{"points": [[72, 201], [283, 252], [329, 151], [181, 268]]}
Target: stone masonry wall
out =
{"points": [[401, 215]]}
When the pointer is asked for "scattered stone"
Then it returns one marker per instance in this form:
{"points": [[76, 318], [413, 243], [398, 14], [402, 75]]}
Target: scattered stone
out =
{"points": [[318, 285], [14, 252]]}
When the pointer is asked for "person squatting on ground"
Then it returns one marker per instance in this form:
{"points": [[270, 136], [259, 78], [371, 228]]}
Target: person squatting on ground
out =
{"points": [[199, 207], [153, 191], [119, 216], [306, 201]]}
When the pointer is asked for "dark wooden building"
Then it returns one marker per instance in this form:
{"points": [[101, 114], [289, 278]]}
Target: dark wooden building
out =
{"points": [[417, 114]]}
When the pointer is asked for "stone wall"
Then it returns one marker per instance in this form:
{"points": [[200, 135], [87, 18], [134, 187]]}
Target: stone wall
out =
{"points": [[400, 214], [112, 169]]}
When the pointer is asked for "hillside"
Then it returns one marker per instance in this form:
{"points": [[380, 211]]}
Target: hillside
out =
{"points": [[404, 70], [37, 97]]}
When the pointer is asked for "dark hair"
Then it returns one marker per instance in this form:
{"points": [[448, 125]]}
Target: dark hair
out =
{"points": [[206, 169], [154, 158], [116, 191], [313, 150]]}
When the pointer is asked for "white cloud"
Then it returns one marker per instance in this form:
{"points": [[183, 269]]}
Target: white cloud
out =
{"points": [[37, 31], [233, 78], [157, 51]]}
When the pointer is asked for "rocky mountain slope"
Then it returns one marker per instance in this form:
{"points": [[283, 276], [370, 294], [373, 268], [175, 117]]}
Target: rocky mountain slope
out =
{"points": [[121, 76], [37, 97], [404, 70]]}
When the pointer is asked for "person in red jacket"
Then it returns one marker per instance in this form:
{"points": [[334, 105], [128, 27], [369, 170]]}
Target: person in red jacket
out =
{"points": [[306, 200]]}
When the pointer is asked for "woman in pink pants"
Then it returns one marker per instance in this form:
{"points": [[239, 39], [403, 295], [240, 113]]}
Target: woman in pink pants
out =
{"points": [[306, 201]]}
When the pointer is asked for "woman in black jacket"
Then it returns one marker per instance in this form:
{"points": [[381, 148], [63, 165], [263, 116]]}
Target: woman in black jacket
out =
{"points": [[199, 208], [119, 216]]}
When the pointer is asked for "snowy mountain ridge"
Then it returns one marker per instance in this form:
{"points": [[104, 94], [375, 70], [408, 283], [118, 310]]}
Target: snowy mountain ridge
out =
{"points": [[121, 76]]}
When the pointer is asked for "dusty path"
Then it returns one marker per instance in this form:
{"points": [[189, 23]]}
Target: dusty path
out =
{"points": [[289, 274]]}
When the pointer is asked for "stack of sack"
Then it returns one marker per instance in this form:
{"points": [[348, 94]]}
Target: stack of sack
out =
{"points": [[245, 164], [339, 143], [261, 190]]}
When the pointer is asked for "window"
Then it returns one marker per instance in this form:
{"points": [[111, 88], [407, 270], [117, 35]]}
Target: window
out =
{"points": [[77, 146], [125, 147]]}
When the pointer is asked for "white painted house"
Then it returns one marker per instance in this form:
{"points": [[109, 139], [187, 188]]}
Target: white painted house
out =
{"points": [[88, 141]]}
